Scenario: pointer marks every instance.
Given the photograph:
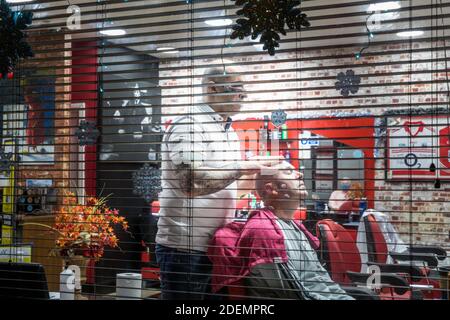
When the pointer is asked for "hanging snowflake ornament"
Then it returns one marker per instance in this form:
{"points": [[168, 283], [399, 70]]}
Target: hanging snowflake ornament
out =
{"points": [[87, 133], [147, 182], [5, 161], [268, 19], [348, 83], [279, 118], [13, 44]]}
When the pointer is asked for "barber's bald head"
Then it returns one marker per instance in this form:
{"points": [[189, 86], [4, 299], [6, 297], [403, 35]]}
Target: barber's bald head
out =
{"points": [[223, 87]]}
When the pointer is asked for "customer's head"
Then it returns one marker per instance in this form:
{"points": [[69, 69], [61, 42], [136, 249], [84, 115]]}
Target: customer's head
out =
{"points": [[284, 185], [223, 88], [345, 184]]}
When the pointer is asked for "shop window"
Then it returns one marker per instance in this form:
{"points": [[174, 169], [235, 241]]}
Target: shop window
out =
{"points": [[147, 140]]}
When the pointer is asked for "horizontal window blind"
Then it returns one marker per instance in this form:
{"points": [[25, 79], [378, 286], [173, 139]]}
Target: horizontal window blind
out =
{"points": [[155, 157]]}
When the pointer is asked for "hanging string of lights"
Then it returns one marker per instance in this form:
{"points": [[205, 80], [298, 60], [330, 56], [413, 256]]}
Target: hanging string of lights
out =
{"points": [[370, 36]]}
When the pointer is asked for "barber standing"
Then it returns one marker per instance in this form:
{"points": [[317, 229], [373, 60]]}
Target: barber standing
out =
{"points": [[201, 161]]}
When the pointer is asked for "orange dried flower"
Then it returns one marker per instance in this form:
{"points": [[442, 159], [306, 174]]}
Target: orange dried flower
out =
{"points": [[88, 227]]}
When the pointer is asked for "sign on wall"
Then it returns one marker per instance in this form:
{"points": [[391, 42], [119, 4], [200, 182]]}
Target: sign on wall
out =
{"points": [[414, 144], [35, 138], [7, 202], [15, 253]]}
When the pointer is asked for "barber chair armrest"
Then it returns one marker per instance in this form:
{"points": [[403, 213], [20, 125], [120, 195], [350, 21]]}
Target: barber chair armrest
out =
{"points": [[392, 280], [413, 271], [361, 293], [440, 253], [429, 258]]}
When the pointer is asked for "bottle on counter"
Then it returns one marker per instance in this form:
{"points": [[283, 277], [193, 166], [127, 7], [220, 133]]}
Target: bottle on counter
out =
{"points": [[276, 134], [287, 156], [284, 132], [262, 141], [362, 205], [350, 217]]}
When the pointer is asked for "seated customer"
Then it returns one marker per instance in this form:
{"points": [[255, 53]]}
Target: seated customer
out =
{"points": [[272, 253]]}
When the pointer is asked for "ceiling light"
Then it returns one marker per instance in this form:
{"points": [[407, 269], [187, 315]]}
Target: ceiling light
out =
{"points": [[168, 50], [410, 33], [113, 32], [219, 22], [18, 1], [383, 6]]}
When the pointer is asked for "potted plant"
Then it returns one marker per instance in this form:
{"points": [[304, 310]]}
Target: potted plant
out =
{"points": [[84, 230]]}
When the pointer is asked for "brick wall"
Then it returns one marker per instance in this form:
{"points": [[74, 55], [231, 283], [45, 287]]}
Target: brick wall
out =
{"points": [[307, 80]]}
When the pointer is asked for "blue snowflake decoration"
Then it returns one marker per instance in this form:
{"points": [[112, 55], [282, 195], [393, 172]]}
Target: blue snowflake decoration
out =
{"points": [[13, 38], [147, 182], [5, 160], [348, 83], [279, 118], [87, 133]]}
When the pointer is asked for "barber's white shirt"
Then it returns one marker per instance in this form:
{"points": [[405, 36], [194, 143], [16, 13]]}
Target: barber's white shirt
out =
{"points": [[198, 139]]}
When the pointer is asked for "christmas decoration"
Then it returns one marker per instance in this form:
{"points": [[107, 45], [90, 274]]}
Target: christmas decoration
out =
{"points": [[87, 133], [12, 37], [348, 83], [279, 118], [370, 36], [147, 182], [268, 19]]}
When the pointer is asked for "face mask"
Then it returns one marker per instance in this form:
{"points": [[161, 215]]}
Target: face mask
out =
{"points": [[345, 186]]}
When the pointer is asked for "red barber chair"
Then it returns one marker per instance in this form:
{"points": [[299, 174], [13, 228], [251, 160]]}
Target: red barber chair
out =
{"points": [[342, 259], [377, 250], [349, 206]]}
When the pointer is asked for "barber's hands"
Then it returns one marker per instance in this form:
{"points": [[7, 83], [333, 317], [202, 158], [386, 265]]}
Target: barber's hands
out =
{"points": [[257, 164]]}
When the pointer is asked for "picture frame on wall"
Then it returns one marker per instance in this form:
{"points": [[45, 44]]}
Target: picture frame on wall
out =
{"points": [[413, 144], [39, 99], [32, 121]]}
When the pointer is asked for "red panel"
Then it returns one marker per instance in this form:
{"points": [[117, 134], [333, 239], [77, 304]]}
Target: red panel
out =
{"points": [[355, 132], [444, 151], [84, 90]]}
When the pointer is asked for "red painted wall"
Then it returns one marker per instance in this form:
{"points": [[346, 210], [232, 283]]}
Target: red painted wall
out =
{"points": [[84, 90], [355, 132]]}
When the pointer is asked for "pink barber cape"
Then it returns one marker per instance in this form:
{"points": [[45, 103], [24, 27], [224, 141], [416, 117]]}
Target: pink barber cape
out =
{"points": [[238, 246]]}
